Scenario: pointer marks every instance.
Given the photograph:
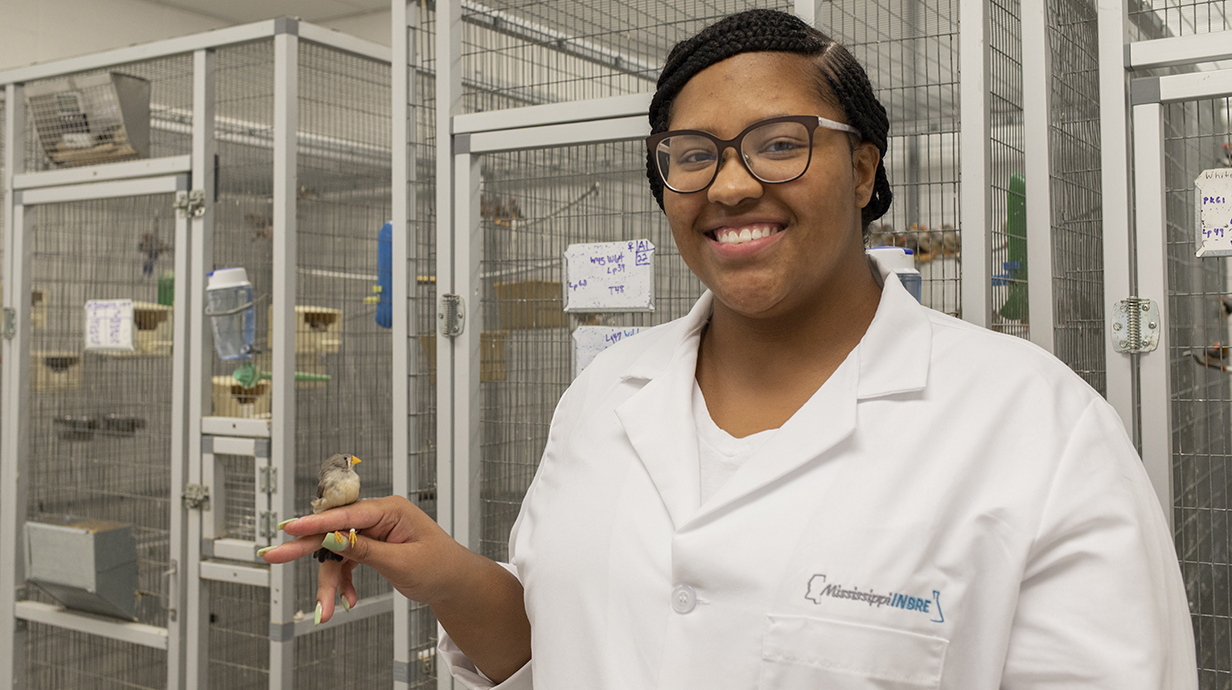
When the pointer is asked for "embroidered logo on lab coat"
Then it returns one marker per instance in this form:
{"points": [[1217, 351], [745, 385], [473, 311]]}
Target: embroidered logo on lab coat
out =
{"points": [[819, 590]]}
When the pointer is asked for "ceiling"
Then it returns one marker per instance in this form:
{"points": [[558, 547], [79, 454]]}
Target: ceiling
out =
{"points": [[245, 11]]}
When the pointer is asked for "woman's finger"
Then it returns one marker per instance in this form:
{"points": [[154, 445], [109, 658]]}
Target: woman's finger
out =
{"points": [[289, 551], [357, 516], [329, 577], [347, 596]]}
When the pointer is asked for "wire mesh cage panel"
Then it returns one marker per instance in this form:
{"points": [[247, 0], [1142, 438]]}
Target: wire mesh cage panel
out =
{"points": [[239, 636], [101, 423], [1160, 18], [59, 658], [534, 205], [343, 348], [1077, 203], [356, 655], [1201, 397], [138, 110], [1008, 235], [517, 54], [910, 51]]}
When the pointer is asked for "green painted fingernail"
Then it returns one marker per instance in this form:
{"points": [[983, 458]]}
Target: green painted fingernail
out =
{"points": [[316, 619], [346, 605], [334, 543], [262, 552], [284, 523]]}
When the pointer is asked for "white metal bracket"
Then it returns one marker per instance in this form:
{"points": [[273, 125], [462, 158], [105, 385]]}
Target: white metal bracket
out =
{"points": [[452, 315], [269, 480], [196, 496], [269, 524], [190, 204], [1135, 325]]}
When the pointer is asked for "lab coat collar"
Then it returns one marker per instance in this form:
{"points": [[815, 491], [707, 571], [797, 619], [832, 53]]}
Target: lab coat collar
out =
{"points": [[892, 358], [894, 353]]}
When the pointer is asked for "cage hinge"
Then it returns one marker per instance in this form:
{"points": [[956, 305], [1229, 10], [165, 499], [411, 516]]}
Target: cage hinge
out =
{"points": [[269, 480], [452, 315], [10, 323], [190, 204], [196, 496], [269, 524], [1135, 325]]}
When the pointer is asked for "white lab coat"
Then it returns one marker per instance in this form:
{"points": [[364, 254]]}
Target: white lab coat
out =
{"points": [[953, 509]]}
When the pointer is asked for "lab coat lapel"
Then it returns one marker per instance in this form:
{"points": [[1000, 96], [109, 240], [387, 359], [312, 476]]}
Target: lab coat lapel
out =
{"points": [[658, 419], [826, 420]]}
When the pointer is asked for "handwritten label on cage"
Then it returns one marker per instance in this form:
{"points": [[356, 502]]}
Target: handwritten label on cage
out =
{"points": [[1213, 199], [589, 341], [109, 324], [610, 276]]}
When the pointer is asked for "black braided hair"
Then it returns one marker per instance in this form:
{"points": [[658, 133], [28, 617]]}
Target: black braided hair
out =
{"points": [[841, 82]]}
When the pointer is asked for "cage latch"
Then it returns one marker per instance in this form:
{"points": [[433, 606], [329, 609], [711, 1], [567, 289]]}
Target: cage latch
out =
{"points": [[269, 480], [269, 524], [1135, 325], [452, 315], [196, 496], [10, 323], [190, 204]]}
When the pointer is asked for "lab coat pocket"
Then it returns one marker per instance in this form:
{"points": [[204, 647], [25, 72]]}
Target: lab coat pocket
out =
{"points": [[805, 652]]}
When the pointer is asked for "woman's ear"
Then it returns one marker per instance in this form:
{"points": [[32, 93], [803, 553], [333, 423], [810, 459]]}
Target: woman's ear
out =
{"points": [[864, 161]]}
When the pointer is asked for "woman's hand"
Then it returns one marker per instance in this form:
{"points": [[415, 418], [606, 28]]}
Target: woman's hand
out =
{"points": [[476, 600], [394, 537]]}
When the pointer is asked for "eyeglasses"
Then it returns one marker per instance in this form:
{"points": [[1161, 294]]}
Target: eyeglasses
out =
{"points": [[774, 151]]}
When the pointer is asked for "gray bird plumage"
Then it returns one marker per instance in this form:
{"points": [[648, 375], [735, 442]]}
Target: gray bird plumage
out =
{"points": [[337, 485]]}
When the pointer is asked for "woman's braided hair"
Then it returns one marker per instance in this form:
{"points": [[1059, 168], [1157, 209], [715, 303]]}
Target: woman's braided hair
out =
{"points": [[841, 81]]}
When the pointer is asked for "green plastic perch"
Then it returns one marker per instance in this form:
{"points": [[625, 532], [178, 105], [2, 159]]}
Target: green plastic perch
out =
{"points": [[247, 375]]}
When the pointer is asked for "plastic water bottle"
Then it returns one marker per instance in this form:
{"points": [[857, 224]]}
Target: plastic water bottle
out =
{"points": [[902, 262], [228, 303]]}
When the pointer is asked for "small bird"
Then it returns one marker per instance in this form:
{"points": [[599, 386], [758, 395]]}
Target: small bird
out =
{"points": [[337, 485]]}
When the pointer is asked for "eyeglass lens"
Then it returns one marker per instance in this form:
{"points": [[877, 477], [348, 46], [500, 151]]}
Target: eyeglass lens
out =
{"points": [[774, 152]]}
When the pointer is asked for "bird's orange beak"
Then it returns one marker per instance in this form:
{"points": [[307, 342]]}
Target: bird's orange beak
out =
{"points": [[355, 460]]}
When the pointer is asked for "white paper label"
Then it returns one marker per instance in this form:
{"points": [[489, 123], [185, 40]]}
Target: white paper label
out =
{"points": [[589, 341], [610, 276], [109, 324], [1213, 195]]}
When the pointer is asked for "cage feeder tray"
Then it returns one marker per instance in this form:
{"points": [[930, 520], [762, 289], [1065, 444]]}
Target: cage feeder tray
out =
{"points": [[318, 330], [51, 370], [88, 565]]}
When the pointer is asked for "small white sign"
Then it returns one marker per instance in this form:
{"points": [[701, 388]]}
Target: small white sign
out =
{"points": [[1213, 202], [109, 324], [609, 277], [589, 341]]}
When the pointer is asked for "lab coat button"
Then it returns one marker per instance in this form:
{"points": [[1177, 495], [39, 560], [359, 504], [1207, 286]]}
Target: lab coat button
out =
{"points": [[683, 598]]}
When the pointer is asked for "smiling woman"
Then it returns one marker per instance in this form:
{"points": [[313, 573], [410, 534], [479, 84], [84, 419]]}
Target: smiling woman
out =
{"points": [[741, 498]]}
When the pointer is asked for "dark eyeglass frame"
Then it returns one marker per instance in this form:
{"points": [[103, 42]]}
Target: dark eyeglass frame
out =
{"points": [[810, 122]]}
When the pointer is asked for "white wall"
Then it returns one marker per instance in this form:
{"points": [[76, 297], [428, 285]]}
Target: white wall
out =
{"points": [[45, 30]]}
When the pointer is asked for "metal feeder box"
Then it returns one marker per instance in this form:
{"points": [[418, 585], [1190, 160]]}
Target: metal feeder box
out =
{"points": [[318, 331], [88, 565], [97, 118], [52, 371]]}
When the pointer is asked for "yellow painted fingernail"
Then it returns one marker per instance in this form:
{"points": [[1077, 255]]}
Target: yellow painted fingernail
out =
{"points": [[346, 605], [316, 619], [334, 542], [262, 552], [284, 523]]}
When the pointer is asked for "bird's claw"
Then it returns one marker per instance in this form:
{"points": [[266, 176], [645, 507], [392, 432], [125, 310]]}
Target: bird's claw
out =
{"points": [[353, 538]]}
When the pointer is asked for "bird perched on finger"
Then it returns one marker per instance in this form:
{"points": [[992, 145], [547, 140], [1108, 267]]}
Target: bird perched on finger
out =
{"points": [[337, 485]]}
